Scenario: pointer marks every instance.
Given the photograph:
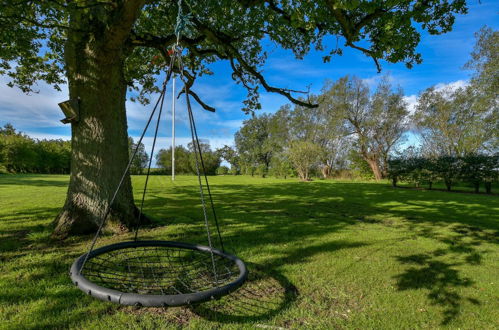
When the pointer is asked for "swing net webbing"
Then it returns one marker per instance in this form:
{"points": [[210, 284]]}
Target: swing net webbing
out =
{"points": [[159, 270]]}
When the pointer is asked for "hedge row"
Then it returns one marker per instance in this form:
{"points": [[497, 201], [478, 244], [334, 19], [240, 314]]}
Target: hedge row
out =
{"points": [[475, 169]]}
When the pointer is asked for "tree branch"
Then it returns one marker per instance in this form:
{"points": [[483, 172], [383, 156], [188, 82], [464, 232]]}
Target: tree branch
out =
{"points": [[124, 18], [201, 103], [351, 32], [226, 42], [368, 53], [187, 84]]}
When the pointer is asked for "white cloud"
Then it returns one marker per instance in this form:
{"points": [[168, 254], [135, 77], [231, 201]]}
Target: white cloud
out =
{"points": [[412, 101], [34, 110], [452, 85], [43, 136]]}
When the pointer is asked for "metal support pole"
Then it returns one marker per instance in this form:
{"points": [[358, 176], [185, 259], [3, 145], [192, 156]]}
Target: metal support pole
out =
{"points": [[173, 130]]}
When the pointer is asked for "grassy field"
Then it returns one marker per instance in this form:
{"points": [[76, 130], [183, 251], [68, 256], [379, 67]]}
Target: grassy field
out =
{"points": [[321, 254]]}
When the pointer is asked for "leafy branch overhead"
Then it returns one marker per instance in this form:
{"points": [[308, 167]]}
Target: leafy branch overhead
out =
{"points": [[33, 35]]}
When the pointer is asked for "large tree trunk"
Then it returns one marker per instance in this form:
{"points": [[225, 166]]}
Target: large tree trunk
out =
{"points": [[373, 164], [99, 139]]}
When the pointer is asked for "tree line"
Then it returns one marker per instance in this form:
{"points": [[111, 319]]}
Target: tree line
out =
{"points": [[185, 159], [21, 154], [350, 129], [475, 169]]}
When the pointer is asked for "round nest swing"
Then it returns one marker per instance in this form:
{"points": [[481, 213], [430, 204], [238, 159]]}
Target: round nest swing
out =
{"points": [[157, 273], [160, 273]]}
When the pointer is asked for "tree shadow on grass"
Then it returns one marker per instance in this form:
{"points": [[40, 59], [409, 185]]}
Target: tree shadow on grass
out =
{"points": [[40, 285], [441, 278], [265, 294], [31, 180], [23, 228], [296, 212]]}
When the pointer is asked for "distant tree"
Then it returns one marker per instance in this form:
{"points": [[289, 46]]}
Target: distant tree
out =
{"points": [[304, 156], [473, 168], [429, 171], [53, 156], [484, 63], [334, 154], [262, 170], [454, 122], [3, 149], [448, 169], [255, 143], [211, 159], [222, 170], [182, 160], [231, 156], [480, 168], [377, 123], [7, 130], [415, 171], [396, 170], [490, 172], [19, 151], [141, 158], [21, 154], [323, 126], [247, 167]]}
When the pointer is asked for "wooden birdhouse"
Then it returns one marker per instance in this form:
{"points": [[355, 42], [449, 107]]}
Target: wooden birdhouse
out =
{"points": [[71, 109]]}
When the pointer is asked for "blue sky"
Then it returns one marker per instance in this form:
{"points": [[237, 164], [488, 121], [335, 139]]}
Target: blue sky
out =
{"points": [[443, 58]]}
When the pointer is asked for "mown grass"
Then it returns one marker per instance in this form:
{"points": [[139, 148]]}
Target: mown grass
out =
{"points": [[321, 254]]}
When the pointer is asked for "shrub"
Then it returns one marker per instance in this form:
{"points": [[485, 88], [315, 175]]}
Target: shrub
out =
{"points": [[473, 168], [222, 170]]}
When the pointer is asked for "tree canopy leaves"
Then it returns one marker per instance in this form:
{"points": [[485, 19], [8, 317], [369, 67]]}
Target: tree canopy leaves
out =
{"points": [[33, 35]]}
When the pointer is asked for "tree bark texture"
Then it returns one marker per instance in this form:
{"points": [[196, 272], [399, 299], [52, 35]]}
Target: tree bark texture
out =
{"points": [[373, 164], [99, 140]]}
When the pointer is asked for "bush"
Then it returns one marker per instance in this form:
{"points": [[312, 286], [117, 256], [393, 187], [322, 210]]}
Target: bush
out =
{"points": [[396, 170], [474, 169], [360, 168], [222, 170], [304, 156], [261, 170], [21, 154], [281, 167]]}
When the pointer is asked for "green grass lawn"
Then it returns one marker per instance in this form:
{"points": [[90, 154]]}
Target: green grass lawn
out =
{"points": [[322, 254]]}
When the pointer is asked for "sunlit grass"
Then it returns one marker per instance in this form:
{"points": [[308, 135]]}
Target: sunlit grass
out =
{"points": [[321, 254]]}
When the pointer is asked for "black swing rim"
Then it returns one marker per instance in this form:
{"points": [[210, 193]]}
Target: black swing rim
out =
{"points": [[135, 299]]}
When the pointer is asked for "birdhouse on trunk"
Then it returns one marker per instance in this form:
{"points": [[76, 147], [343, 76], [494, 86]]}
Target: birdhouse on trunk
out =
{"points": [[71, 109]]}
